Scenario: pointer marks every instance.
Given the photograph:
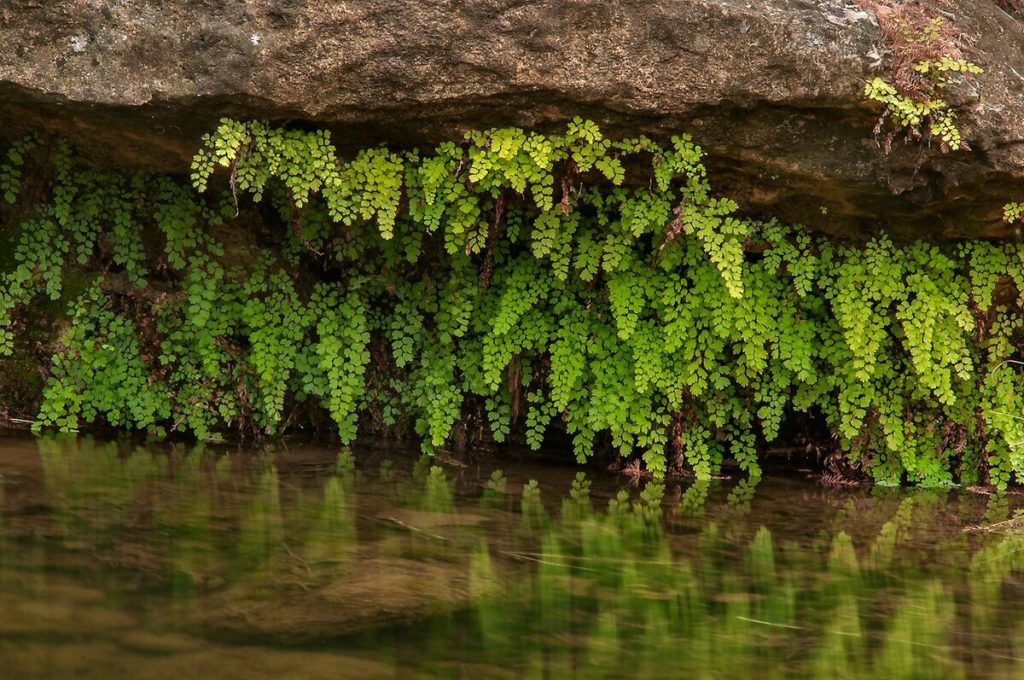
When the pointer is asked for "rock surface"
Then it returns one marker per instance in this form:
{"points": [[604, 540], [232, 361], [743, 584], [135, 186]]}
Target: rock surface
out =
{"points": [[772, 89]]}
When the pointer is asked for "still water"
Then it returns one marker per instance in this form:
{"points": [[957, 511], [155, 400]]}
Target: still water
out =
{"points": [[126, 562]]}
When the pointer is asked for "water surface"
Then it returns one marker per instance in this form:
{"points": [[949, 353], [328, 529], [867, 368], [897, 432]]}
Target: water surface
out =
{"points": [[164, 562]]}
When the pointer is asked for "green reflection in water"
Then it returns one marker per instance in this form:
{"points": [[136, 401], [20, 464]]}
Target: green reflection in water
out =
{"points": [[159, 556]]}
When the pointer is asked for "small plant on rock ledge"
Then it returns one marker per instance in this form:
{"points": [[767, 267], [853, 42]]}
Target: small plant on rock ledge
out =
{"points": [[912, 114], [926, 59], [1013, 212]]}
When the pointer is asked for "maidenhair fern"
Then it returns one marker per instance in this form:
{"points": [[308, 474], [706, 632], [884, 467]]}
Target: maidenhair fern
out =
{"points": [[929, 113], [511, 284], [1014, 212], [11, 174]]}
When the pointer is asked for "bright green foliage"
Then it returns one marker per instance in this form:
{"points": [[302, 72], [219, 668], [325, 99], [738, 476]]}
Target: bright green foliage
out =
{"points": [[272, 319], [911, 113], [11, 169], [39, 259], [342, 355], [1014, 212], [515, 285], [101, 372]]}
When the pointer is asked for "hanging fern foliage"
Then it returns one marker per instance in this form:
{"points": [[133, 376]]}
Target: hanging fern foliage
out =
{"points": [[572, 282]]}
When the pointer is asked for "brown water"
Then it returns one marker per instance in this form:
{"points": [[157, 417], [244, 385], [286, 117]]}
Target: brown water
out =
{"points": [[176, 563]]}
